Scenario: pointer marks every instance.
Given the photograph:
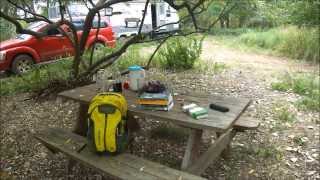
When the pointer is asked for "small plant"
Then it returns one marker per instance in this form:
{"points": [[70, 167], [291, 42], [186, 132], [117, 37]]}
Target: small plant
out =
{"points": [[180, 53], [280, 86], [213, 67], [269, 151], [299, 141], [283, 114], [307, 103]]}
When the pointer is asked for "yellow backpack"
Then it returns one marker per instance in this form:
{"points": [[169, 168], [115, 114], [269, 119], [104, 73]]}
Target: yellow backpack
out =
{"points": [[107, 130]]}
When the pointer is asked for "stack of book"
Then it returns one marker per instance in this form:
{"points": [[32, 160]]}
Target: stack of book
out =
{"points": [[155, 101]]}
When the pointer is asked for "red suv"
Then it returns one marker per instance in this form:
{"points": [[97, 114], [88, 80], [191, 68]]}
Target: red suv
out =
{"points": [[19, 54]]}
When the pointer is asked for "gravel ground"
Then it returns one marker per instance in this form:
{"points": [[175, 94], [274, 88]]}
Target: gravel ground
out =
{"points": [[271, 152]]}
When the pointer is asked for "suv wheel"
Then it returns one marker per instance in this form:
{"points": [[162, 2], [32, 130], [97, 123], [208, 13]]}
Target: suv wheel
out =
{"points": [[98, 46], [22, 64]]}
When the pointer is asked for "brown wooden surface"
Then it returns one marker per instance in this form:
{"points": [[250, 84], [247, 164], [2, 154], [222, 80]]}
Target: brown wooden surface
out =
{"points": [[216, 121], [81, 127], [246, 123], [123, 166], [212, 153], [192, 149]]}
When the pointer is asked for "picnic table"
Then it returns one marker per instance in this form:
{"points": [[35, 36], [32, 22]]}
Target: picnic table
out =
{"points": [[226, 125]]}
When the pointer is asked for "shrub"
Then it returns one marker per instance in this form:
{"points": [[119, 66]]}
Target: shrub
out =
{"points": [[180, 53]]}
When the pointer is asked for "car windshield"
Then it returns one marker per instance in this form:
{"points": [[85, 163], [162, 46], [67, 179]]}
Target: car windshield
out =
{"points": [[32, 26]]}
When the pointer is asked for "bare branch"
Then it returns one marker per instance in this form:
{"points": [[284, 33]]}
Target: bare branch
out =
{"points": [[61, 10], [30, 12], [96, 38], [110, 58], [143, 16], [89, 18]]}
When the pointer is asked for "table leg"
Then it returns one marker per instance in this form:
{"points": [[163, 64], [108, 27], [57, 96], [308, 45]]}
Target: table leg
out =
{"points": [[192, 149], [226, 152], [214, 151], [81, 126]]}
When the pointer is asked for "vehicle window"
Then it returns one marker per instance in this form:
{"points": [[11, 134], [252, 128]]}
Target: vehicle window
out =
{"points": [[52, 32], [162, 9], [102, 24], [78, 24], [36, 25]]}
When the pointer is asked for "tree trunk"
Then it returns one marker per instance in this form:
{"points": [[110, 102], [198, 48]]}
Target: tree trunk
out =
{"points": [[221, 23], [227, 20]]}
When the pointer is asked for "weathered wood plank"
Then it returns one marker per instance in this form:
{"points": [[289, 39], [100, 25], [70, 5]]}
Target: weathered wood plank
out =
{"points": [[123, 166], [216, 121], [81, 127], [212, 153], [192, 149], [246, 123]]}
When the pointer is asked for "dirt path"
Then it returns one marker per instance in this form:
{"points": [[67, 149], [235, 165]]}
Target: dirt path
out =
{"points": [[277, 150], [259, 64]]}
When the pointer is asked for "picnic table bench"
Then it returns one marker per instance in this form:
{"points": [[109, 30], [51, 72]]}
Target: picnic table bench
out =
{"points": [[226, 125]]}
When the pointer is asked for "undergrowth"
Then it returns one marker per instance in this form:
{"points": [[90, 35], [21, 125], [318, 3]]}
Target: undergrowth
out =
{"points": [[38, 78], [290, 41], [283, 113], [293, 42], [306, 85]]}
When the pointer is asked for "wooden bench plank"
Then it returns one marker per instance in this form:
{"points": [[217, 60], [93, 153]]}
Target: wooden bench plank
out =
{"points": [[122, 166], [246, 123]]}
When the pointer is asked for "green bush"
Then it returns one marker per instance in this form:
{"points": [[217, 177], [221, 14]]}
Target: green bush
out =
{"points": [[293, 42], [180, 53]]}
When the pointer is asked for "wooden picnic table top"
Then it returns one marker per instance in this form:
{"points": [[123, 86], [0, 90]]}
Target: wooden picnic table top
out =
{"points": [[217, 121]]}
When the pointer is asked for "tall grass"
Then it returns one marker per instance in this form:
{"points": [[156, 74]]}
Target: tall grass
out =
{"points": [[291, 41]]}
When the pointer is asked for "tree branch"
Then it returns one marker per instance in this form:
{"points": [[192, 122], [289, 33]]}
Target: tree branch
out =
{"points": [[155, 51], [143, 16], [19, 28]]}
